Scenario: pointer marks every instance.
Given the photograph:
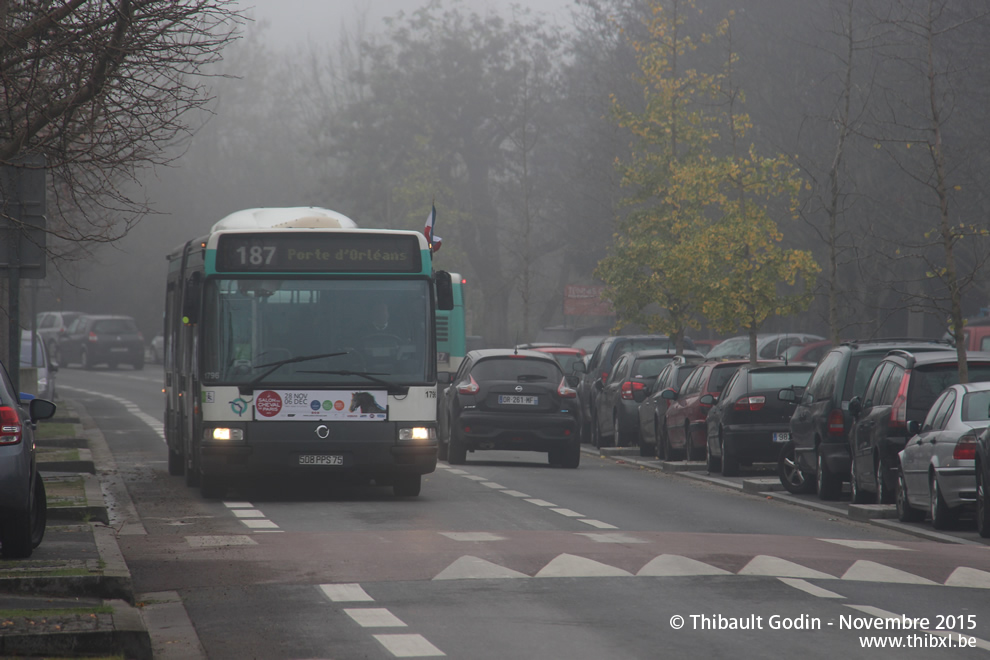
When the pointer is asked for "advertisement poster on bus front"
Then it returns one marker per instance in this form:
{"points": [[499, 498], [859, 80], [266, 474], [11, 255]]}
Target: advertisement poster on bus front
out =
{"points": [[324, 405]]}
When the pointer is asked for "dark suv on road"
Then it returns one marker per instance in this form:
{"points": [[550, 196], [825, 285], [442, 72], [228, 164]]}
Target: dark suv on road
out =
{"points": [[817, 458], [103, 339], [902, 388], [509, 399]]}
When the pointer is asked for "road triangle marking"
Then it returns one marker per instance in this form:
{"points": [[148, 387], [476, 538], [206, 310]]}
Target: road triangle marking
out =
{"points": [[672, 565], [871, 571], [474, 568], [566, 565], [777, 567], [969, 577]]}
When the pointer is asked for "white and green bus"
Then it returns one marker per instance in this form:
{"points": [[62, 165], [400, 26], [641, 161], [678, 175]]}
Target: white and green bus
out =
{"points": [[298, 345]]}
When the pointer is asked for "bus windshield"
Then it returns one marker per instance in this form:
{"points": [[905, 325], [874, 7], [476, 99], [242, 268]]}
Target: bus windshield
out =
{"points": [[313, 333]]}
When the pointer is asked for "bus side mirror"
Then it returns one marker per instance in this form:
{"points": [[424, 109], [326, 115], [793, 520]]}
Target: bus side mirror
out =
{"points": [[192, 295], [445, 290]]}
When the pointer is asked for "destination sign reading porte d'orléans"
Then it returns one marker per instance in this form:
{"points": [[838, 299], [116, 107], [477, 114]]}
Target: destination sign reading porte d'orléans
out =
{"points": [[318, 252]]}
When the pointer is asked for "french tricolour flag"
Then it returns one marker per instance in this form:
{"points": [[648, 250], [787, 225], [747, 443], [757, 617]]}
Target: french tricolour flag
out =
{"points": [[433, 241]]}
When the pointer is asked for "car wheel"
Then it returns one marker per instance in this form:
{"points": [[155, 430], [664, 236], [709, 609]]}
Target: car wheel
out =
{"points": [[176, 463], [828, 485], [906, 512], [982, 510], [456, 450], [23, 531], [885, 494], [617, 439], [570, 456], [658, 446], [671, 453], [856, 494], [192, 467], [942, 515], [713, 463], [730, 464], [791, 476], [407, 485], [596, 436]]}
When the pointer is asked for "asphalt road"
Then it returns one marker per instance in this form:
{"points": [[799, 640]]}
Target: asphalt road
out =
{"points": [[506, 557]]}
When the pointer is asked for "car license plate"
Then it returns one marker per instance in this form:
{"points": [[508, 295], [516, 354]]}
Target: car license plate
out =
{"points": [[321, 459], [118, 349], [781, 437], [518, 400]]}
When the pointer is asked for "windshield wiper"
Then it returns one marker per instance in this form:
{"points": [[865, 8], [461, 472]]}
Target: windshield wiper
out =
{"points": [[247, 387], [369, 375]]}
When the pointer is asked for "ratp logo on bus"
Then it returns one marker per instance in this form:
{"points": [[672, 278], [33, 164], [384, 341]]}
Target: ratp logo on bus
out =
{"points": [[268, 403]]}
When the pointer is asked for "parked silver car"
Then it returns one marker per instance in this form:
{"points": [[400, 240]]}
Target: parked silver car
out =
{"points": [[42, 363], [23, 503], [937, 465]]}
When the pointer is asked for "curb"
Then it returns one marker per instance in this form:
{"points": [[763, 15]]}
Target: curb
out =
{"points": [[89, 513]]}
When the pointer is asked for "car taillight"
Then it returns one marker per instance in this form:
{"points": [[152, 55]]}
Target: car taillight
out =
{"points": [[629, 387], [93, 337], [751, 403], [10, 426], [565, 390], [468, 386], [898, 409], [836, 422], [604, 377], [965, 449]]}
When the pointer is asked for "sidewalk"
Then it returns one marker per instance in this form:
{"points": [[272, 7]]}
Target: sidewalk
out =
{"points": [[74, 596]]}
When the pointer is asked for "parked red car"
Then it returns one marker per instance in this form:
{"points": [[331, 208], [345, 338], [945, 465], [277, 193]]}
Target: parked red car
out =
{"points": [[684, 424]]}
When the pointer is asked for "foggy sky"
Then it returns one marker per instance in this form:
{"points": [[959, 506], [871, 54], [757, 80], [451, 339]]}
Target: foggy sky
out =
{"points": [[302, 21]]}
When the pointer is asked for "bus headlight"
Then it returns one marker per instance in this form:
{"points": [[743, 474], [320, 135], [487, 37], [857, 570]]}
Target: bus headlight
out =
{"points": [[421, 434], [223, 435]]}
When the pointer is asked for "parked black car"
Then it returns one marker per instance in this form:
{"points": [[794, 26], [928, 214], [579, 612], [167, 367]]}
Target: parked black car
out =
{"points": [[23, 503], [903, 387], [818, 456], [983, 483], [510, 399], [102, 339], [617, 405], [653, 408], [750, 420], [600, 364]]}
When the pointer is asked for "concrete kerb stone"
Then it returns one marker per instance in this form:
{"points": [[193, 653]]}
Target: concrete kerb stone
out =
{"points": [[95, 509]]}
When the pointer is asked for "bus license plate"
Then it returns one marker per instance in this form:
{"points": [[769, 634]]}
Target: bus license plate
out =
{"points": [[321, 459], [518, 400], [781, 437]]}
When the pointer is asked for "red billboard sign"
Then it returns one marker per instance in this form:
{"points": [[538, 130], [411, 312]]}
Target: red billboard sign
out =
{"points": [[582, 300]]}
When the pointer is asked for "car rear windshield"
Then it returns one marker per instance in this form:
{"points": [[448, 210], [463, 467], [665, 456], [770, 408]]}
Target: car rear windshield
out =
{"points": [[976, 407], [517, 369], [644, 344], [720, 376], [650, 367], [778, 379], [110, 326], [928, 381], [858, 377]]}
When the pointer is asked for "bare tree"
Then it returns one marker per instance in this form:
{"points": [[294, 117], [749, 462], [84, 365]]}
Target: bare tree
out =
{"points": [[101, 88]]}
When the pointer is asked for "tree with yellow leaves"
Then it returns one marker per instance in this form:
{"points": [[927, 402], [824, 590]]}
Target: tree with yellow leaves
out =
{"points": [[699, 238]]}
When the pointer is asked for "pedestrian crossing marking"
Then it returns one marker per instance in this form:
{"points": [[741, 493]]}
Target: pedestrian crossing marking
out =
{"points": [[374, 617], [676, 565], [472, 536], [871, 571], [611, 537], [345, 593], [474, 568], [219, 541], [865, 545], [409, 646], [776, 567], [566, 565], [968, 577]]}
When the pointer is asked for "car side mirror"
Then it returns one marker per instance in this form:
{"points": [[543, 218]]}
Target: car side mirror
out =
{"points": [[41, 409], [579, 367], [913, 427], [855, 406], [670, 394], [708, 400], [444, 378], [787, 395]]}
